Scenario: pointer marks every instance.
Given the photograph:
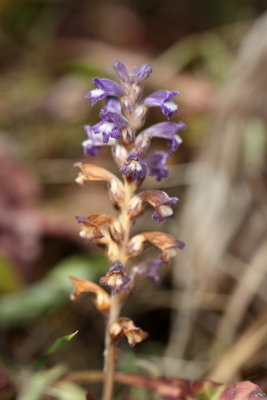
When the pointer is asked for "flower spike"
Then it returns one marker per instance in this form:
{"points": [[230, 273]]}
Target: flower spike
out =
{"points": [[122, 115]]}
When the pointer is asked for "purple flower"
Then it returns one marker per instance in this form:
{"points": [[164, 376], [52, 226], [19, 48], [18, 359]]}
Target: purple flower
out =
{"points": [[156, 164], [113, 105], [110, 125], [175, 142], [164, 130], [139, 73], [134, 167], [116, 278], [104, 87], [162, 98], [91, 146], [149, 269]]}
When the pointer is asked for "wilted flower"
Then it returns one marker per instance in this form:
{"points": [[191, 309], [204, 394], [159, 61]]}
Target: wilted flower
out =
{"points": [[160, 201], [102, 299], [116, 278], [126, 327]]}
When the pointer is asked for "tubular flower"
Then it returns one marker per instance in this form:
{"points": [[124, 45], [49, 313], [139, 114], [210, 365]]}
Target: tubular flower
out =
{"points": [[160, 201], [116, 278], [92, 145], [134, 167], [104, 87], [165, 130], [156, 164], [138, 75], [110, 125], [163, 99], [149, 269]]}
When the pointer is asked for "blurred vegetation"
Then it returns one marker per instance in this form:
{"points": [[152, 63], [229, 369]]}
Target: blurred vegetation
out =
{"points": [[50, 50]]}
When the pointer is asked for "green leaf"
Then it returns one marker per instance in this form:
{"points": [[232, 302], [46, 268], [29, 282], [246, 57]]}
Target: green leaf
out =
{"points": [[68, 391], [37, 383], [52, 291], [10, 281], [58, 343]]}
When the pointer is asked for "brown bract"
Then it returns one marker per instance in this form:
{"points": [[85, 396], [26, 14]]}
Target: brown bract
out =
{"points": [[125, 327], [165, 242], [90, 172], [101, 299]]}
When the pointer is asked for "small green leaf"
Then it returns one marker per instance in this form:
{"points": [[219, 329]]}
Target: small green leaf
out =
{"points": [[58, 343], [36, 384], [68, 391]]}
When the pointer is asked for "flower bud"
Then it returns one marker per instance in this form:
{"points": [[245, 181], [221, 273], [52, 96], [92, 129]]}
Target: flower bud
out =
{"points": [[119, 153], [135, 207], [116, 231], [139, 116], [112, 250]]}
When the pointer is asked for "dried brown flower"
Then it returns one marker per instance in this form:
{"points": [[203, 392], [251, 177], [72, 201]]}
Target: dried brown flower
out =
{"points": [[101, 300]]}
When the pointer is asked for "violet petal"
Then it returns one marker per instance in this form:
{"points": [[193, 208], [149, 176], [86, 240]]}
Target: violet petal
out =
{"points": [[163, 99], [104, 87], [121, 71], [134, 166], [156, 164]]}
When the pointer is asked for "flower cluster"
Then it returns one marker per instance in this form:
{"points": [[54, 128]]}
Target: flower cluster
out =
{"points": [[121, 128], [124, 113]]}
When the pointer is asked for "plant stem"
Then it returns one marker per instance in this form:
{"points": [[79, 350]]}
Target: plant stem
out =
{"points": [[110, 350], [110, 353]]}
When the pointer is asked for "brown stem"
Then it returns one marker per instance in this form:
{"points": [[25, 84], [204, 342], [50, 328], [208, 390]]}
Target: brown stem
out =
{"points": [[116, 304], [110, 350], [172, 388]]}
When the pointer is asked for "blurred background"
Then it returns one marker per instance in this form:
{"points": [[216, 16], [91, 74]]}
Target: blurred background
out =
{"points": [[209, 317]]}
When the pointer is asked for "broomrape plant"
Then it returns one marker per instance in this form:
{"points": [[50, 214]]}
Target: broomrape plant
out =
{"points": [[120, 128]]}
